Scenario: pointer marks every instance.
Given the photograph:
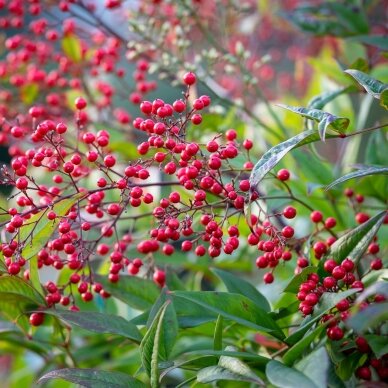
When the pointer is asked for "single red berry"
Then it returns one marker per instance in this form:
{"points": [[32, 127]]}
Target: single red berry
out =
{"points": [[316, 216], [283, 174], [338, 273], [36, 319], [329, 265], [268, 278], [373, 248], [189, 78], [289, 212], [364, 373], [347, 265], [159, 277], [335, 333], [330, 222], [362, 217], [376, 264], [80, 103], [349, 192], [288, 231]]}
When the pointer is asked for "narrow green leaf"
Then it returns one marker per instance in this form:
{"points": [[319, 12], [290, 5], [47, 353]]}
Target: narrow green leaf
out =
{"points": [[370, 84], [379, 41], [320, 101], [93, 378], [378, 343], [346, 367], [326, 120], [297, 280], [368, 318], [99, 323], [273, 156], [235, 307], [237, 285], [354, 243], [17, 297], [71, 46], [384, 99], [36, 232], [285, 377], [29, 92], [228, 368], [316, 367], [301, 346], [255, 358], [158, 341], [138, 293], [218, 333], [358, 174]]}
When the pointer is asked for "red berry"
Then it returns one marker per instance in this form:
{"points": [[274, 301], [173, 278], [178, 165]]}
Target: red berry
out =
{"points": [[36, 319], [316, 216], [288, 231], [268, 278], [376, 264], [283, 174], [189, 78], [80, 103], [159, 277], [330, 222], [289, 212], [335, 333], [338, 273], [347, 265], [362, 217], [373, 248], [364, 373]]}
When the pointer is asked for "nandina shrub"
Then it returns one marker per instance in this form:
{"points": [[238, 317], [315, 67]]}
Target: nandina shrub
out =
{"points": [[224, 246]]}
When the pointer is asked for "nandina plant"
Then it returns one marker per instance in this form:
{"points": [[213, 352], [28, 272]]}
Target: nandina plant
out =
{"points": [[185, 238]]}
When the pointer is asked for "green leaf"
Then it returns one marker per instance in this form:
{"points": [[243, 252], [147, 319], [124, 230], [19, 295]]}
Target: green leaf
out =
{"points": [[237, 285], [316, 367], [37, 231], [370, 84], [384, 99], [99, 323], [379, 41], [71, 46], [17, 297], [368, 318], [228, 368], [354, 243], [218, 333], [325, 120], [300, 347], [93, 378], [236, 307], [297, 280], [273, 156], [320, 101], [358, 174], [255, 358], [29, 93], [158, 341], [346, 367], [138, 293], [378, 343], [285, 377]]}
